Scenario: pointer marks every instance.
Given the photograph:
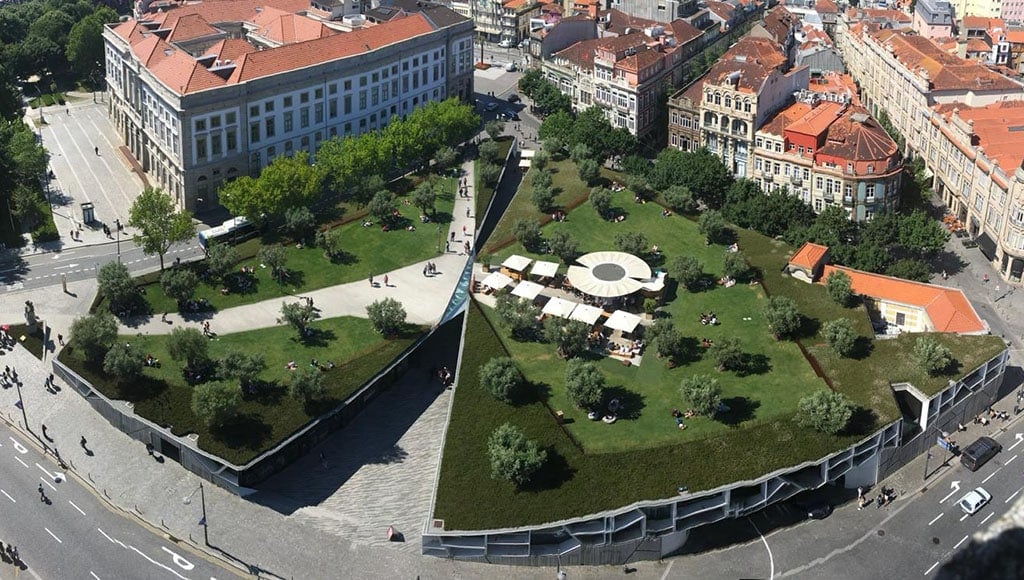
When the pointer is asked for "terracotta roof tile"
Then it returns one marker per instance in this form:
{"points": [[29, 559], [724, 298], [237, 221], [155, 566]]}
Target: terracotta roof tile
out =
{"points": [[998, 130], [857, 136], [982, 23], [753, 57], [977, 45], [818, 119], [230, 49], [808, 255], [826, 7], [188, 27], [947, 308], [945, 71], [777, 123]]}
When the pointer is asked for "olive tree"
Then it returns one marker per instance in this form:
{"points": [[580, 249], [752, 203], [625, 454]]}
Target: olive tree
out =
{"points": [[123, 362], [188, 345], [702, 393], [513, 457], [115, 285], [727, 354], [932, 356], [243, 366], [568, 336], [839, 335], [216, 402], [825, 411], [307, 384], [601, 200], [839, 288], [687, 270], [94, 334], [782, 316], [501, 378], [387, 316], [179, 283], [584, 384]]}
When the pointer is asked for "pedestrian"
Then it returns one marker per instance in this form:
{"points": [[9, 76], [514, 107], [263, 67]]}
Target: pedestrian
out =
{"points": [[453, 236], [42, 493], [69, 110], [371, 280], [149, 449], [984, 278], [467, 211], [447, 247], [60, 339], [163, 317], [386, 280], [944, 275], [466, 246], [45, 435], [97, 150], [84, 443], [463, 230], [426, 268]]}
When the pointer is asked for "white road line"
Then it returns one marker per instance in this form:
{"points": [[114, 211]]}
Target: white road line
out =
{"points": [[76, 507], [965, 517], [986, 518], [44, 470], [960, 542], [112, 540], [929, 570], [21, 462], [54, 535], [50, 485], [1012, 495], [1007, 462], [771, 558], [936, 518], [93, 574], [667, 570], [990, 476], [8, 496], [169, 569]]}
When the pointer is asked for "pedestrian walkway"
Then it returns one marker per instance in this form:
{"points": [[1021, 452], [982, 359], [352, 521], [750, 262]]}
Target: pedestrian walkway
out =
{"points": [[423, 297]]}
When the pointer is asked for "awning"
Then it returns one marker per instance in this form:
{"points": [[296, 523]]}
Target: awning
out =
{"points": [[516, 263], [630, 265], [584, 280], [655, 284], [987, 246], [527, 289], [559, 307], [527, 153], [525, 163], [622, 320], [587, 313], [544, 269], [496, 280]]}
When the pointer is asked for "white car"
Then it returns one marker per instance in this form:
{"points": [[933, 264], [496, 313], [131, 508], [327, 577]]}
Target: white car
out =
{"points": [[505, 43], [975, 500]]}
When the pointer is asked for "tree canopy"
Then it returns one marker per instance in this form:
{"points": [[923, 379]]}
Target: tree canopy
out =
{"points": [[159, 224]]}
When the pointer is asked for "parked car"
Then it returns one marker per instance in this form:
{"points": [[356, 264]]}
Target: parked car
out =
{"points": [[975, 500], [512, 98], [491, 106], [510, 67], [817, 510], [505, 43], [510, 115], [978, 453]]}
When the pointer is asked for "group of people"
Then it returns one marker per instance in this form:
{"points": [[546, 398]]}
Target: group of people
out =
{"points": [[443, 374], [10, 376], [429, 269], [10, 553], [679, 416], [708, 319], [151, 361], [558, 216], [6, 340], [706, 342], [630, 349], [463, 187]]}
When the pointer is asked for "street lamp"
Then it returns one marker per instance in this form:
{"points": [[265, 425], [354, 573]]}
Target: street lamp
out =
{"points": [[202, 499], [117, 224], [21, 404]]}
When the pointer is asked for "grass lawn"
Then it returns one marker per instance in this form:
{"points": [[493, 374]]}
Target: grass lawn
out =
{"points": [[485, 193], [33, 340], [368, 250], [269, 416]]}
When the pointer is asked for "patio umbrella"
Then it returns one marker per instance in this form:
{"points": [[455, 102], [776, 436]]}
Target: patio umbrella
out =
{"points": [[587, 313], [516, 263], [629, 265], [496, 280], [527, 289], [544, 269], [622, 320], [559, 307]]}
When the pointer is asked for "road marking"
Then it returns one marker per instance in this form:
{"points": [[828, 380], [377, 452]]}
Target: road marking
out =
{"points": [[955, 486], [929, 570], [54, 535], [93, 574], [965, 517], [21, 448], [1007, 462], [50, 485], [154, 562], [1019, 437], [986, 518], [960, 542], [1012, 495], [667, 570], [112, 540], [936, 518], [21, 462], [990, 476], [771, 558], [76, 507], [8, 496]]}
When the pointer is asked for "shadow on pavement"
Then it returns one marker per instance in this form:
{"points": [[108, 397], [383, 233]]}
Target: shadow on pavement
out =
{"points": [[372, 438]]}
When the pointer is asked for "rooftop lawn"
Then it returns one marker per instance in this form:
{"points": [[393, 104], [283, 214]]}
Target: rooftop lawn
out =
{"points": [[368, 250], [269, 416], [484, 193]]}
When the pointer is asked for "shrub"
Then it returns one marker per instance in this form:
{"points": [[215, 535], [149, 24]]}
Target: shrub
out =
{"points": [[298, 315], [307, 384], [687, 270], [568, 336], [94, 334], [735, 265], [702, 393], [501, 378], [494, 129], [635, 243], [840, 336], [123, 362], [216, 403], [179, 283], [541, 178], [727, 354], [679, 198], [273, 257], [839, 288], [489, 152], [579, 152], [115, 285], [825, 411], [782, 316], [382, 206], [601, 200], [387, 316], [553, 145], [668, 343], [489, 173], [712, 225], [220, 260], [244, 367], [540, 160], [527, 232], [513, 457], [299, 223], [932, 356], [584, 384], [589, 171], [445, 157]]}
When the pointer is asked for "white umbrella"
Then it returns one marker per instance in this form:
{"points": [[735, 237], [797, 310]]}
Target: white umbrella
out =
{"points": [[622, 320], [527, 289], [496, 280], [559, 307], [544, 269], [587, 313], [527, 153], [516, 263]]}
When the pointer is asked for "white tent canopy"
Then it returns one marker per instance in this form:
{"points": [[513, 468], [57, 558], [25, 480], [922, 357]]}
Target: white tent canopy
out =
{"points": [[622, 320], [628, 264], [525, 163], [559, 307], [527, 153], [527, 289], [544, 269], [516, 263], [584, 280], [586, 313], [496, 280]]}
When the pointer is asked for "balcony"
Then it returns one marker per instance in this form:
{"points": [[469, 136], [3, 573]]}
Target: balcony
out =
{"points": [[796, 180]]}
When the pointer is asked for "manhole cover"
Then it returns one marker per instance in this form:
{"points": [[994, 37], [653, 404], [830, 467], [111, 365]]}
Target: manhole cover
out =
{"points": [[609, 272], [881, 532], [936, 541]]}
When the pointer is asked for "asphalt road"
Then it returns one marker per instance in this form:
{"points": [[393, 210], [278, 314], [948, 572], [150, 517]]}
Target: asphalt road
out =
{"points": [[75, 535], [81, 263], [910, 538]]}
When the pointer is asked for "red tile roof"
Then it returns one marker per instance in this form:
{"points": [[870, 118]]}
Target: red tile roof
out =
{"points": [[826, 7], [998, 130], [945, 71], [982, 23], [857, 136], [947, 308], [817, 120], [754, 58], [808, 255], [188, 27]]}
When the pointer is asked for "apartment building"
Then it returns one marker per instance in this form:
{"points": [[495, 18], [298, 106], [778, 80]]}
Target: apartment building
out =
{"points": [[661, 11], [829, 152], [984, 8], [723, 109], [934, 19], [205, 92], [975, 155], [624, 69]]}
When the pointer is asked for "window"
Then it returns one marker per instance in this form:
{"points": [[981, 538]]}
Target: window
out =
{"points": [[819, 183], [362, 100], [201, 148], [759, 142], [268, 106], [332, 108], [348, 85], [901, 319], [332, 89], [200, 124], [304, 98], [254, 132], [778, 147], [849, 167], [269, 128], [232, 140], [287, 102], [362, 81], [869, 192], [254, 111], [215, 145], [817, 204], [304, 117], [215, 122], [318, 113], [1017, 215], [288, 123], [348, 104], [230, 118]]}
